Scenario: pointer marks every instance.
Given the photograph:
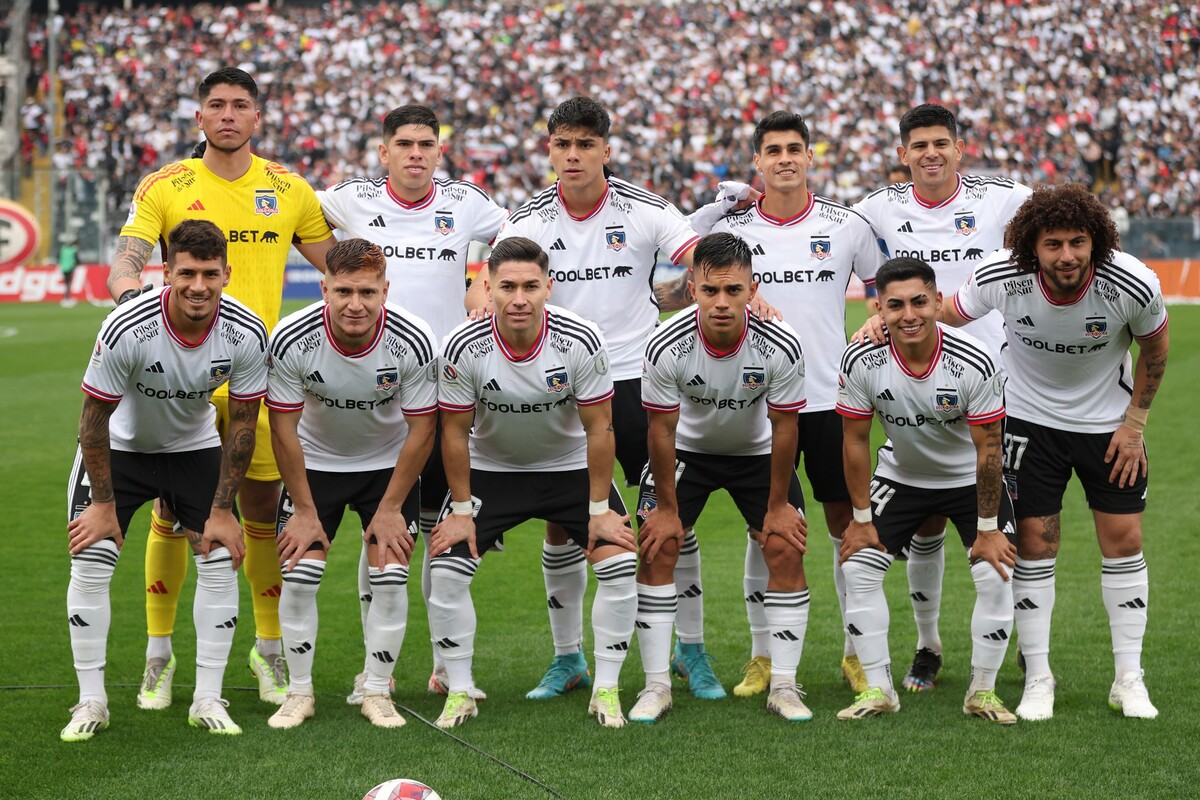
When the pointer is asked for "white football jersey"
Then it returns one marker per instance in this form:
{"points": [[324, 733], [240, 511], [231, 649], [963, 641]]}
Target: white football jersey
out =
{"points": [[163, 383], [603, 263], [803, 266], [352, 405], [952, 236], [924, 416], [425, 242], [526, 407], [1068, 363], [722, 397]]}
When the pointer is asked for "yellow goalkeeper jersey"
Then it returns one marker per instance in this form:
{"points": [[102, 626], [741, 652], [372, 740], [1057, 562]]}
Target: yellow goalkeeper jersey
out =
{"points": [[261, 214]]}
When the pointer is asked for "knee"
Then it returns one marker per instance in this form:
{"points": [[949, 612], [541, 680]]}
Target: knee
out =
{"points": [[782, 557]]}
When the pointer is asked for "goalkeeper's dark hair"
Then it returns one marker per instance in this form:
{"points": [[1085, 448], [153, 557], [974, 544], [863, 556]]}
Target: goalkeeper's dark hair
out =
{"points": [[904, 269], [927, 115], [580, 112], [780, 121], [397, 118], [721, 251], [355, 255], [517, 248], [1066, 207], [199, 238], [231, 76]]}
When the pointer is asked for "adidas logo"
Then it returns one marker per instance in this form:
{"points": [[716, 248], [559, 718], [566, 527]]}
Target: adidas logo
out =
{"points": [[639, 624], [229, 623], [274, 591], [621, 646], [156, 368], [691, 591], [158, 587], [365, 598], [905, 228], [76, 621], [757, 597], [997, 636], [315, 377], [1136, 602], [1026, 320], [918, 597], [786, 636], [853, 631], [196, 206], [377, 222], [384, 656], [558, 245], [302, 649], [886, 394], [552, 602], [1026, 605], [446, 643], [492, 386], [696, 381], [758, 250]]}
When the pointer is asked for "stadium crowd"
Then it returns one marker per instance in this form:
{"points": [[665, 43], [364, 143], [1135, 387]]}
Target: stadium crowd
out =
{"points": [[1069, 90]]}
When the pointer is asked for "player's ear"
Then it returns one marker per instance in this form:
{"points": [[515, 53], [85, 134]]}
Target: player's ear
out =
{"points": [[228, 275], [692, 290], [324, 290], [959, 146], [902, 153], [549, 285], [383, 154], [753, 290], [607, 152]]}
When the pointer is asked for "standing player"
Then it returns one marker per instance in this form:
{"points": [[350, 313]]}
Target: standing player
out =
{"points": [[1072, 305], [527, 434], [352, 399], [805, 248], [603, 236], [147, 431], [424, 227], [743, 383], [950, 221], [940, 399], [262, 209]]}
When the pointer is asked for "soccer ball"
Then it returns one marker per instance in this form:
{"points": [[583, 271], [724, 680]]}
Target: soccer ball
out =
{"points": [[402, 789]]}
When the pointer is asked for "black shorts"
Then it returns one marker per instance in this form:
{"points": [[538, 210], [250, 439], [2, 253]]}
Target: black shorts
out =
{"points": [[362, 491], [1037, 466], [901, 510], [433, 477], [630, 424], [504, 500], [698, 475], [820, 442], [186, 482]]}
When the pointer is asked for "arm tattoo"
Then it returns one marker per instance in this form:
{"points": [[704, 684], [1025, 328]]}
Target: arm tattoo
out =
{"points": [[94, 445], [672, 295], [991, 471], [1156, 366], [129, 259], [239, 447]]}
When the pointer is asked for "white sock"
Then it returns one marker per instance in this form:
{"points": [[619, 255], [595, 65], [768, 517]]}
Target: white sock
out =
{"points": [[656, 609], [426, 521], [787, 614], [1033, 603], [158, 647], [564, 569], [754, 583], [386, 624], [867, 617], [613, 611], [926, 567], [1125, 586], [364, 600], [298, 620], [268, 647], [991, 625], [839, 586], [452, 619], [89, 615], [215, 611], [689, 615]]}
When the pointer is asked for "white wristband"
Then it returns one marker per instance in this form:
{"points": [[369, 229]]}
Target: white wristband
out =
{"points": [[863, 515], [462, 508], [986, 524], [597, 507]]}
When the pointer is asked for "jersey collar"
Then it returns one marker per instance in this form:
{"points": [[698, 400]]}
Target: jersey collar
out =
{"points": [[424, 202], [533, 351], [723, 354], [785, 223], [1083, 290], [595, 210], [337, 348], [933, 362], [923, 203], [175, 336]]}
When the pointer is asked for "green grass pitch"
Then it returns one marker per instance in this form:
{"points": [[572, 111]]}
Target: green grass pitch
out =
{"points": [[729, 748]]}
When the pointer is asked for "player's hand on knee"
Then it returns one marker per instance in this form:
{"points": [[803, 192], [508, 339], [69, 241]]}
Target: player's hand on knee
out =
{"points": [[859, 536], [611, 528], [659, 528], [97, 523], [873, 331], [390, 531], [223, 529], [994, 548], [787, 523], [450, 531], [302, 530], [1127, 453]]}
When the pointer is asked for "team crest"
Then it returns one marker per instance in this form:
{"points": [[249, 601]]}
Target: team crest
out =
{"points": [[946, 400], [753, 380], [964, 224], [647, 504], [219, 373], [449, 372], [386, 379], [557, 382], [265, 202], [1010, 483], [443, 224], [615, 240], [820, 248], [1095, 327]]}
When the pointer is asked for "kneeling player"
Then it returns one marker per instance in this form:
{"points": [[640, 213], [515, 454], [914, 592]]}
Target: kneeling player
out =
{"points": [[723, 391], [353, 396], [929, 385], [527, 434], [147, 431]]}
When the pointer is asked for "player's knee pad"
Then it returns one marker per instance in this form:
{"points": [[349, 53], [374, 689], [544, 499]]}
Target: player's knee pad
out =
{"points": [[990, 587], [92, 568], [216, 573]]}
